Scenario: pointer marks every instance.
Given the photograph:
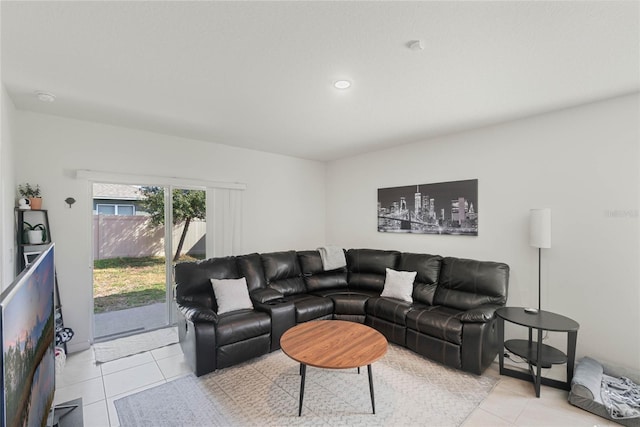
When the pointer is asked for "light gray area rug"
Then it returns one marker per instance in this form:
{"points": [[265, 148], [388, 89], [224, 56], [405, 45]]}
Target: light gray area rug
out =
{"points": [[134, 344], [409, 390]]}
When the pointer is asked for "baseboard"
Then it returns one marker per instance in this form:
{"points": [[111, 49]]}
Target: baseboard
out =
{"points": [[78, 346]]}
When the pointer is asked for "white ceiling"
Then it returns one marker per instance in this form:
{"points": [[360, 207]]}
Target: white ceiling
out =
{"points": [[259, 74]]}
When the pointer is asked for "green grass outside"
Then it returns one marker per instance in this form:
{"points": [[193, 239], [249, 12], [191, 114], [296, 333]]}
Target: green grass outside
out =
{"points": [[120, 283]]}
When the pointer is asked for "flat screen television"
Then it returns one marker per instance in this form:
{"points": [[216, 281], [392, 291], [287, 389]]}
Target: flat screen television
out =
{"points": [[28, 339]]}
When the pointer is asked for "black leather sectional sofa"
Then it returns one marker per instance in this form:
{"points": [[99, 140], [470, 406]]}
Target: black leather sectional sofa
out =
{"points": [[451, 319]]}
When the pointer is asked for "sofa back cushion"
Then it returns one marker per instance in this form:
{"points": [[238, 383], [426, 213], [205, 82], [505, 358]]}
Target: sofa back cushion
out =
{"points": [[282, 272], [427, 268], [193, 280], [367, 267], [467, 283], [250, 267], [315, 277]]}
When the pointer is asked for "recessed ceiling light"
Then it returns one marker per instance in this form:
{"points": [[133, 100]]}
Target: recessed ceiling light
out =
{"points": [[45, 96], [342, 84]]}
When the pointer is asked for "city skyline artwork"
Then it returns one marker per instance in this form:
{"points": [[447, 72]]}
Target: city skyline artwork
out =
{"points": [[437, 208]]}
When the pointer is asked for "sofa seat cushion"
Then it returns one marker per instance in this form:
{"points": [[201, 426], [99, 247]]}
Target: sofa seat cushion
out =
{"points": [[241, 325], [341, 291], [349, 303], [437, 321], [390, 309], [310, 307]]}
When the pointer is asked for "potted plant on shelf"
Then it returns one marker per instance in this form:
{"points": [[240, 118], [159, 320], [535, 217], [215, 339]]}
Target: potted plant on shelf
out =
{"points": [[32, 193], [35, 234]]}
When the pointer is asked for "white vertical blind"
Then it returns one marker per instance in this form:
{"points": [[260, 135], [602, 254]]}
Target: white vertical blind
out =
{"points": [[224, 222]]}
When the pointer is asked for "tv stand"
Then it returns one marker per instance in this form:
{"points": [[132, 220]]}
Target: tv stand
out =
{"points": [[67, 414]]}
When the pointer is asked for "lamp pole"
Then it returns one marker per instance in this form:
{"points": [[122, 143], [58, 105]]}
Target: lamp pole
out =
{"points": [[539, 278], [539, 237]]}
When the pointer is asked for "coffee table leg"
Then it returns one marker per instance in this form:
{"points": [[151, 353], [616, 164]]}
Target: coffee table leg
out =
{"points": [[373, 403], [303, 373]]}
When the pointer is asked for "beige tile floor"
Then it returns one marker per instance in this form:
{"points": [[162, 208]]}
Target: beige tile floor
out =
{"points": [[99, 385], [511, 403]]}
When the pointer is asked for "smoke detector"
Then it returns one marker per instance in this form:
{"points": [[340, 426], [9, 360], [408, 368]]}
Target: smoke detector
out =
{"points": [[45, 96], [415, 45]]}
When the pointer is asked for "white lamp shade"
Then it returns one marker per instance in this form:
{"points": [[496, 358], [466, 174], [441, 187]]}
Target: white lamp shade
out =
{"points": [[540, 228]]}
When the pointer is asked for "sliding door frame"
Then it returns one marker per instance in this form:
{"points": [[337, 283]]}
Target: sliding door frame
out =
{"points": [[169, 184]]}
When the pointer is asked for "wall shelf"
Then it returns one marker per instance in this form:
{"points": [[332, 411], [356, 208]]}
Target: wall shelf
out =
{"points": [[27, 252]]}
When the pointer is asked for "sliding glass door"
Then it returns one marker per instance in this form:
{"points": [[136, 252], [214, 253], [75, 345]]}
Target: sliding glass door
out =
{"points": [[134, 253]]}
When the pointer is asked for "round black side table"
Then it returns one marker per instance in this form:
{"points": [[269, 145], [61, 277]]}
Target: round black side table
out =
{"points": [[537, 354]]}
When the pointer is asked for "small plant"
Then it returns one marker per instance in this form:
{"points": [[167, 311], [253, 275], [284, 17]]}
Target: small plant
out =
{"points": [[29, 227], [38, 227], [29, 191]]}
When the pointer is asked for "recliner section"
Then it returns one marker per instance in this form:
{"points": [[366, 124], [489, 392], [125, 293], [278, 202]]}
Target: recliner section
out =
{"points": [[451, 319], [348, 303], [209, 340], [284, 275]]}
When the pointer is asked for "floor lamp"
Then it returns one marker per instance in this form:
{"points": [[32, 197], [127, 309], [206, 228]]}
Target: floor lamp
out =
{"points": [[539, 237]]}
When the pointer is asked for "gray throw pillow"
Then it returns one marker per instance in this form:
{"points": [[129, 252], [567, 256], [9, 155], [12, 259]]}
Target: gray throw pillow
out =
{"points": [[231, 294], [399, 284]]}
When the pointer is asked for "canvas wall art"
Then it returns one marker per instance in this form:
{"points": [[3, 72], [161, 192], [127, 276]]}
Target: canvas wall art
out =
{"points": [[440, 208]]}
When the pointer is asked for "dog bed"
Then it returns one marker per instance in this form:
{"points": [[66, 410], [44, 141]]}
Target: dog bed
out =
{"points": [[592, 389]]}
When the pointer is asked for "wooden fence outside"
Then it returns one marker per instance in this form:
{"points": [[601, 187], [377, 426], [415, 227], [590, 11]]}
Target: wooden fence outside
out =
{"points": [[134, 236]]}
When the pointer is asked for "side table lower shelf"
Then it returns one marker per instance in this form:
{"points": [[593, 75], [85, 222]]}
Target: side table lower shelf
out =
{"points": [[529, 350], [536, 354]]}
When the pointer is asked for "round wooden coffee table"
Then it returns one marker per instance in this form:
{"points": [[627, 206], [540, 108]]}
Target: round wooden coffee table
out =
{"points": [[333, 344]]}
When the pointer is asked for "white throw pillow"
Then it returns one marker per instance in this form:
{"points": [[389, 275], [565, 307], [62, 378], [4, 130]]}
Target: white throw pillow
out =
{"points": [[231, 294], [399, 284]]}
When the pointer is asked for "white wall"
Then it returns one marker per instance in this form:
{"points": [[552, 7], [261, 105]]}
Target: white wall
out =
{"points": [[582, 163], [7, 191], [283, 202]]}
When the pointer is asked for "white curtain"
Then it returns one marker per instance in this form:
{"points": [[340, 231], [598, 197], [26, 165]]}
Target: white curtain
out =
{"points": [[224, 222]]}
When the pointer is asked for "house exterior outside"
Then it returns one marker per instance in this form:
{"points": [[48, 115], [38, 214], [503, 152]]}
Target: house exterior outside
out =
{"points": [[117, 199], [122, 229]]}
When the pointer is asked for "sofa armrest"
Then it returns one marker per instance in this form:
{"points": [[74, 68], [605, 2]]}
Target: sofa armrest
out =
{"points": [[264, 295], [197, 335], [480, 345], [481, 314], [283, 317], [195, 313]]}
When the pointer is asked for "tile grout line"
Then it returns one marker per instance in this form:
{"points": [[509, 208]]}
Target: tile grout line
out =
{"points": [[104, 391], [160, 369]]}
